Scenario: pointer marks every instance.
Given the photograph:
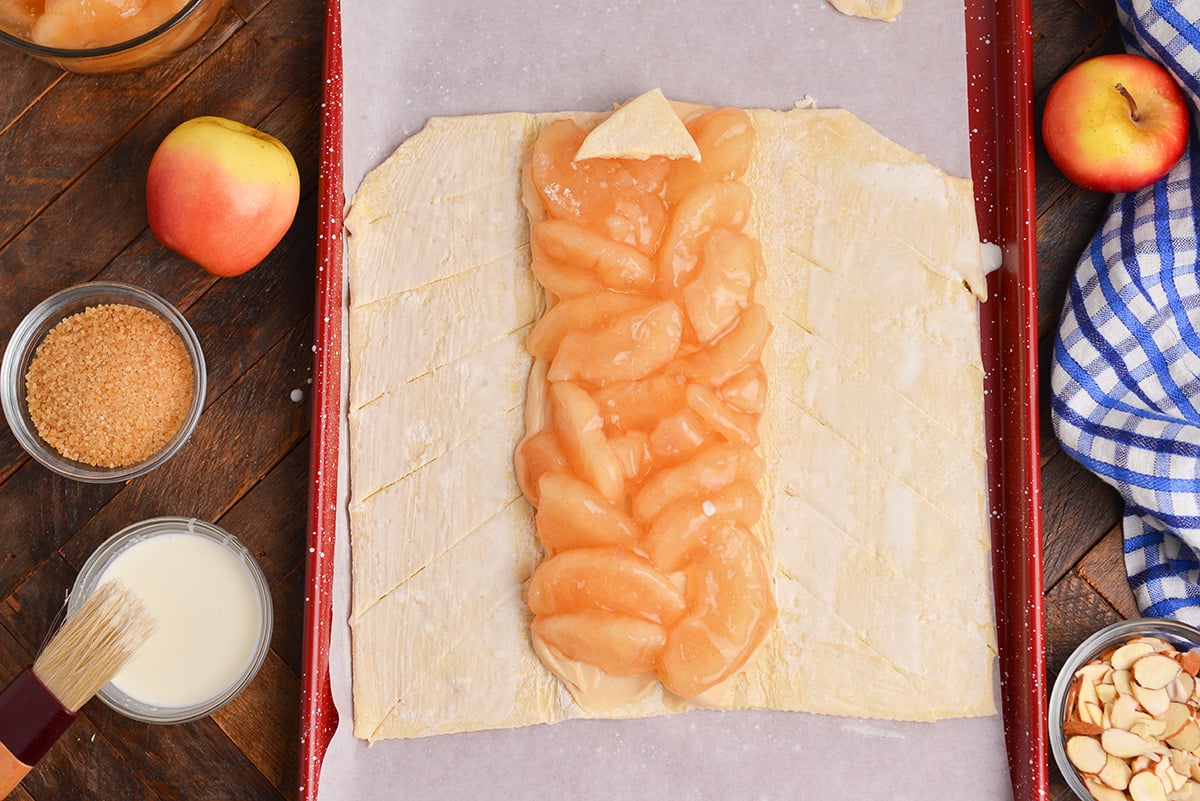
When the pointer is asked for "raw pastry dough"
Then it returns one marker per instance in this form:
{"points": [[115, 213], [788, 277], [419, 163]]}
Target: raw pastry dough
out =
{"points": [[645, 126], [876, 494], [886, 10]]}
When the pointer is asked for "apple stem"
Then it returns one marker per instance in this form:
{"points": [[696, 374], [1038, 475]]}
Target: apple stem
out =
{"points": [[1133, 109]]}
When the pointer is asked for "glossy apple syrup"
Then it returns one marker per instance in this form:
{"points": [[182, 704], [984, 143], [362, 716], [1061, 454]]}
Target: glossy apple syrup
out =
{"points": [[645, 472]]}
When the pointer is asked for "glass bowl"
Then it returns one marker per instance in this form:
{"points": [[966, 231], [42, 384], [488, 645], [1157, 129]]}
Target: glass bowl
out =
{"points": [[1180, 635], [179, 29], [182, 573], [22, 348]]}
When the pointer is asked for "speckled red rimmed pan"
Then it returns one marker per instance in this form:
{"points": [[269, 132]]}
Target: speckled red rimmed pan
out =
{"points": [[999, 61]]}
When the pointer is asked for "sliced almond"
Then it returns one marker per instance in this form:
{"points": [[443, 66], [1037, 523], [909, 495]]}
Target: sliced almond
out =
{"points": [[1156, 701], [1124, 744], [1086, 754], [1150, 729], [1183, 762], [1181, 689], [1154, 672], [1158, 644], [1189, 661], [1122, 681], [1102, 792], [1107, 693], [1175, 718], [1146, 786], [1115, 773], [1091, 713], [1095, 672], [1124, 712], [1073, 728], [1186, 738], [1190, 791], [1171, 780], [1124, 657], [1087, 692]]}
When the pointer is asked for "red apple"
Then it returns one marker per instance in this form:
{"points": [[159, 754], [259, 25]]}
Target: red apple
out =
{"points": [[221, 193], [1115, 123]]}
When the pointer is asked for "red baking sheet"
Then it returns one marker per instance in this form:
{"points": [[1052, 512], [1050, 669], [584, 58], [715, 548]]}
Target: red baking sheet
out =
{"points": [[999, 61]]}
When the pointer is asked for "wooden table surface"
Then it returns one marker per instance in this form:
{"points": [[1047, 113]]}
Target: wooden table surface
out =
{"points": [[73, 156]]}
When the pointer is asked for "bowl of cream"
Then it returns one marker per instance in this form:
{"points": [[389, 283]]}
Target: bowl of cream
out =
{"points": [[212, 610]]}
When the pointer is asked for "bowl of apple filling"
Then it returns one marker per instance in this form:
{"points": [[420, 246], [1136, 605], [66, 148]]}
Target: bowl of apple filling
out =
{"points": [[101, 36]]}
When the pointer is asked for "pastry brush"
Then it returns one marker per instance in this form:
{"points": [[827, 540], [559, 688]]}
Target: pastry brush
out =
{"points": [[41, 702]]}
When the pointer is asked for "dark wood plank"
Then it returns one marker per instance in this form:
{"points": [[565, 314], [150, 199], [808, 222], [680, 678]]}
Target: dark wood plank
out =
{"points": [[40, 510], [31, 611], [1067, 216], [20, 795], [270, 519], [288, 595], [264, 723], [190, 762], [1079, 506], [1075, 610], [293, 117], [1060, 27], [1104, 569], [27, 80]]}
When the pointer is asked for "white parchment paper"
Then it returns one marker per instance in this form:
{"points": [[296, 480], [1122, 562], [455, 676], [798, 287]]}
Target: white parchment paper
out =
{"points": [[408, 60]]}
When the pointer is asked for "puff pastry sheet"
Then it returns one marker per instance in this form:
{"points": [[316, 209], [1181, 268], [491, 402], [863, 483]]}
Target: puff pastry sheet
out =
{"points": [[876, 509]]}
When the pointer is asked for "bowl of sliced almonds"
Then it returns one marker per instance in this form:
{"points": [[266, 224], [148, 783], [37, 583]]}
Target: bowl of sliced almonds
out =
{"points": [[1125, 713]]}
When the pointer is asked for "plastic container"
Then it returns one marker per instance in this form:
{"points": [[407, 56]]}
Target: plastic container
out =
{"points": [[30, 333], [225, 634]]}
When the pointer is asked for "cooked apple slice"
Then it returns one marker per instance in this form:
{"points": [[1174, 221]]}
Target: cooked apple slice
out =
{"points": [[573, 514], [580, 430], [611, 579], [619, 645]]}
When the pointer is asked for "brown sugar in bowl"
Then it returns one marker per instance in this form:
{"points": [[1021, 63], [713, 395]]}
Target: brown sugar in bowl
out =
{"points": [[103, 382]]}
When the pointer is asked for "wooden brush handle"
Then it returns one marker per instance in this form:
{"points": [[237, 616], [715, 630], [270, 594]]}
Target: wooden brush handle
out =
{"points": [[12, 770], [31, 720]]}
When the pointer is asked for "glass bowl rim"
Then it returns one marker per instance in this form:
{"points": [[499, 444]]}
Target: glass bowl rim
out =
{"points": [[22, 342], [86, 583], [67, 53]]}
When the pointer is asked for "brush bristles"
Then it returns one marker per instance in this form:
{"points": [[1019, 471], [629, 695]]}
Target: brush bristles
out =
{"points": [[93, 645]]}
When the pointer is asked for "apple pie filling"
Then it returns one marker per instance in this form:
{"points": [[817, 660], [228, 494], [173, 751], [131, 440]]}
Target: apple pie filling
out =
{"points": [[645, 400]]}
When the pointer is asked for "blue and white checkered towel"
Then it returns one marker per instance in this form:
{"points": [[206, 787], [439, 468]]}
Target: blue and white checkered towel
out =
{"points": [[1126, 371]]}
